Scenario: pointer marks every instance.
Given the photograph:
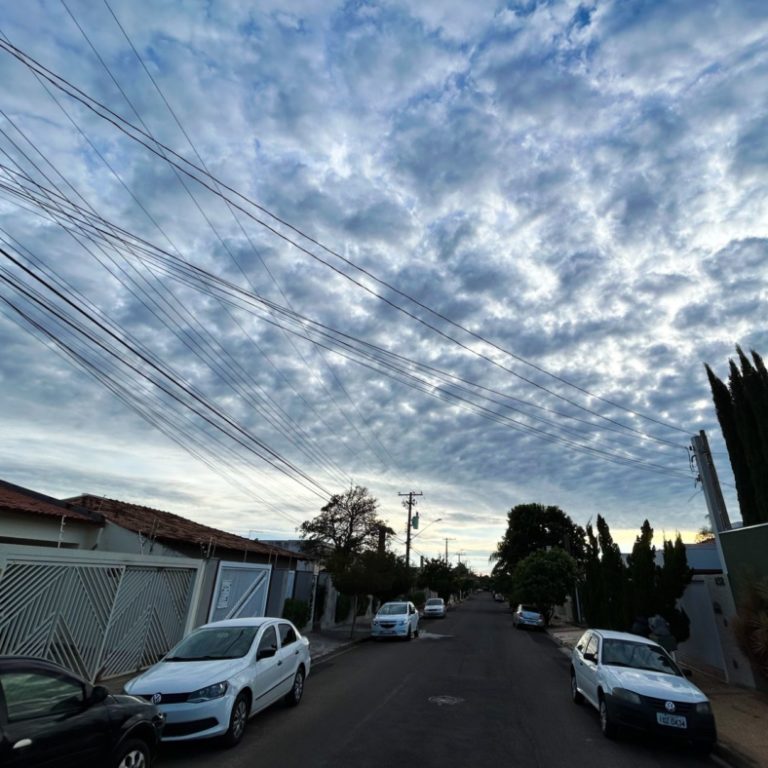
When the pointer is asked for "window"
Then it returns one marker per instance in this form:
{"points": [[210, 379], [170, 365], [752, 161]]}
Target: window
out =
{"points": [[33, 694], [592, 645], [268, 641], [287, 634]]}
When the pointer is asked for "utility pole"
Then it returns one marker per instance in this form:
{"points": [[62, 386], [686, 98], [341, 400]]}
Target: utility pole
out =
{"points": [[410, 496], [718, 514], [446, 549]]}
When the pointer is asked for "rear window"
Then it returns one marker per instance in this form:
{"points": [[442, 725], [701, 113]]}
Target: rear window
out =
{"points": [[434, 601], [529, 608]]}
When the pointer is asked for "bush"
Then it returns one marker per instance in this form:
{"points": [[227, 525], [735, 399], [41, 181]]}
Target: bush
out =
{"points": [[296, 611], [343, 606], [418, 598]]}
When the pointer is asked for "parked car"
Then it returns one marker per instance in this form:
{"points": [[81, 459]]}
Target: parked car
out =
{"points": [[498, 597], [528, 616], [51, 717], [396, 619], [633, 682], [434, 608], [222, 674]]}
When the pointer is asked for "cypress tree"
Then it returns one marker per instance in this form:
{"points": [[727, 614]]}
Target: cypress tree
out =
{"points": [[725, 415], [613, 575], [593, 595], [750, 439], [758, 402], [641, 570]]}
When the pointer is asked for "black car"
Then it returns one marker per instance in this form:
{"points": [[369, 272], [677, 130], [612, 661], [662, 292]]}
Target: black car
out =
{"points": [[50, 717]]}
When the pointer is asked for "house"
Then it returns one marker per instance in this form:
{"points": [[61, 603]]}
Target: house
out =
{"points": [[106, 587]]}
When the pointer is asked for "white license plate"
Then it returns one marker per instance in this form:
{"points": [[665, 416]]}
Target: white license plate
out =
{"points": [[673, 721]]}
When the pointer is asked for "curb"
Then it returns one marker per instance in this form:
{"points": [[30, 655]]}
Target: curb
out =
{"points": [[337, 651], [729, 755]]}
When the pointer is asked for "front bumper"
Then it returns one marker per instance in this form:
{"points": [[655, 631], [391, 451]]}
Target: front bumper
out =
{"points": [[203, 720], [699, 727], [387, 630]]}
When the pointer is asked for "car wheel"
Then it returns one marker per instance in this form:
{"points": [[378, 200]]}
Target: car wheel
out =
{"points": [[237, 721], [607, 726], [576, 696], [293, 697], [135, 753]]}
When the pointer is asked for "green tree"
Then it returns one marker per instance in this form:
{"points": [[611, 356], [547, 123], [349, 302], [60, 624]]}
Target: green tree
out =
{"points": [[438, 576], [544, 578]]}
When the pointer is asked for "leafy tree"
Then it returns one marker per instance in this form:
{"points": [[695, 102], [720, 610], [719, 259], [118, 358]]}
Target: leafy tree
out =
{"points": [[544, 578], [438, 576], [532, 527], [346, 529], [346, 525]]}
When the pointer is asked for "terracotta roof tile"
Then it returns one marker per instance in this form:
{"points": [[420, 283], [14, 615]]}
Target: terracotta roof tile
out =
{"points": [[166, 526], [14, 498]]}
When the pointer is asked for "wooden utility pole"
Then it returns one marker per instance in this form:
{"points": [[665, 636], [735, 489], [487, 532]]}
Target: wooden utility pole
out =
{"points": [[410, 496]]}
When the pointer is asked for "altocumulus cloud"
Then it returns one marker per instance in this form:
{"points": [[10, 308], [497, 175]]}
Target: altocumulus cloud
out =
{"points": [[583, 185]]}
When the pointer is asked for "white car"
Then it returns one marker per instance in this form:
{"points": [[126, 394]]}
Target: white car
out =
{"points": [[222, 673], [396, 619], [633, 682], [434, 608]]}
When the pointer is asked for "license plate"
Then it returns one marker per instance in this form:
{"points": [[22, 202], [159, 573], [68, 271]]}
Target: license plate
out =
{"points": [[673, 721]]}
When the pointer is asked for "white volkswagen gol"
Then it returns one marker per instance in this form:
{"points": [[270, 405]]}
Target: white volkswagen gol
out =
{"points": [[223, 673], [396, 619], [633, 682]]}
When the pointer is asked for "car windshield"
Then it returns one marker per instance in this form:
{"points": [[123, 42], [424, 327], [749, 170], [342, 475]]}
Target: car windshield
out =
{"points": [[625, 653], [393, 609], [214, 643], [434, 601], [529, 609]]}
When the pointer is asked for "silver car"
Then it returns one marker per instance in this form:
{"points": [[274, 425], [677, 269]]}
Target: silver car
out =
{"points": [[434, 608]]}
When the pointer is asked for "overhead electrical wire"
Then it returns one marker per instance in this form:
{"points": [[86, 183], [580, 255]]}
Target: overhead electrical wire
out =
{"points": [[155, 147]]}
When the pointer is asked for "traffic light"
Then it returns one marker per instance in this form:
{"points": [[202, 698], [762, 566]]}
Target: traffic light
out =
{"points": [[415, 521]]}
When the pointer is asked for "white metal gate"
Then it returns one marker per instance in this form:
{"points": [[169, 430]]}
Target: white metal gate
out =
{"points": [[241, 589], [98, 614]]}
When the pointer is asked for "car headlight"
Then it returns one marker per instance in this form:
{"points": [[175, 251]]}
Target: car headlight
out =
{"points": [[626, 695], [703, 708], [215, 691], [402, 621]]}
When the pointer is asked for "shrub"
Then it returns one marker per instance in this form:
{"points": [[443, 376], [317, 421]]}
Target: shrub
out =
{"points": [[343, 606], [296, 611]]}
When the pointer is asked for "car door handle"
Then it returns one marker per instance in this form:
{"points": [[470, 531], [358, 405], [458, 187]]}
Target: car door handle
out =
{"points": [[23, 743], [279, 663], [295, 653]]}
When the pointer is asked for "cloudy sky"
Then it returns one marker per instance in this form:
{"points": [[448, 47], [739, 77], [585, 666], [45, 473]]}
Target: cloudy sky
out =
{"points": [[254, 252]]}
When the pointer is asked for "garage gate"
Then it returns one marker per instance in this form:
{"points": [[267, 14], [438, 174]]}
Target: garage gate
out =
{"points": [[99, 614]]}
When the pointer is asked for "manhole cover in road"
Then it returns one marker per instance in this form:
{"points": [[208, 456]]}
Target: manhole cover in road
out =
{"points": [[445, 700]]}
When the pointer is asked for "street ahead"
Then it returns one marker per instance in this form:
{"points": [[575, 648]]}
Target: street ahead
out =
{"points": [[471, 691]]}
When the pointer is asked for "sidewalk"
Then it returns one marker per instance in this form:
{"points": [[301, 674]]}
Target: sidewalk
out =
{"points": [[741, 714]]}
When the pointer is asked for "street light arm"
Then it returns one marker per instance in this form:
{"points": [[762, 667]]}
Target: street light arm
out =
{"points": [[416, 535]]}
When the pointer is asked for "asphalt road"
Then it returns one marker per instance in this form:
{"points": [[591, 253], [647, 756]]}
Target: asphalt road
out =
{"points": [[471, 691]]}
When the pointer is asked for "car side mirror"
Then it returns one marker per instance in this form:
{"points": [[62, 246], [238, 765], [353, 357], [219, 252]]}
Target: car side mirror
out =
{"points": [[266, 653], [98, 694], [590, 657]]}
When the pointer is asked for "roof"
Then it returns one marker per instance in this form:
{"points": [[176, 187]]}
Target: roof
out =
{"points": [[248, 621], [168, 527], [14, 498]]}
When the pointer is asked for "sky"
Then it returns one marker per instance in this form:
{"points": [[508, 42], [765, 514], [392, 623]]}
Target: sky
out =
{"points": [[257, 252]]}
